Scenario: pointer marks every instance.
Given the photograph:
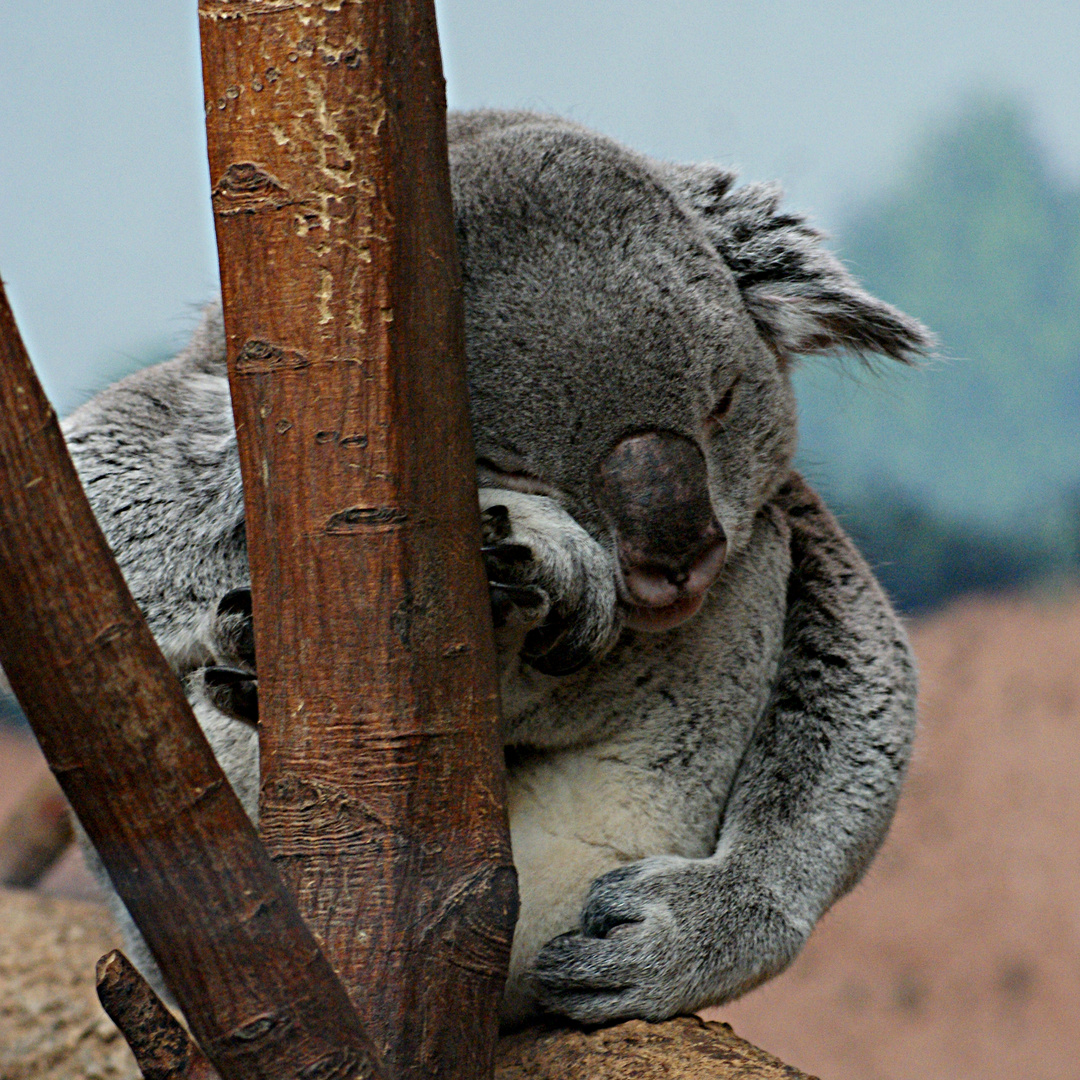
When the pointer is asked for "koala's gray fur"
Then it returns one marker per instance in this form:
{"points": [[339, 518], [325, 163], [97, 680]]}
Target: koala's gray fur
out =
{"points": [[684, 804]]}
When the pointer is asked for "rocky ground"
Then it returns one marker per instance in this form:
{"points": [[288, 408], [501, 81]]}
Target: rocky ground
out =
{"points": [[959, 955]]}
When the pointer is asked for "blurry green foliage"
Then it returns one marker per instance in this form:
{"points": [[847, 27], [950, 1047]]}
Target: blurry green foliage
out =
{"points": [[964, 473]]}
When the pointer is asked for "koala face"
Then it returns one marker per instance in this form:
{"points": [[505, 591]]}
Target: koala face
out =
{"points": [[629, 340]]}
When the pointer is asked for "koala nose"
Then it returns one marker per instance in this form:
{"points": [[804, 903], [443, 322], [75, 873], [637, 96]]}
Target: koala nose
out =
{"points": [[654, 490]]}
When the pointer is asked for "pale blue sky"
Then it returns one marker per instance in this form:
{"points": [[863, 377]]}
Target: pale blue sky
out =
{"points": [[106, 242]]}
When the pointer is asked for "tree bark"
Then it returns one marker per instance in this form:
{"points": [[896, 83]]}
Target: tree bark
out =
{"points": [[120, 737], [686, 1048], [162, 1047], [382, 775]]}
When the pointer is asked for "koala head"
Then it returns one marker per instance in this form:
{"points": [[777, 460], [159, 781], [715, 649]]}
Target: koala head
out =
{"points": [[630, 328]]}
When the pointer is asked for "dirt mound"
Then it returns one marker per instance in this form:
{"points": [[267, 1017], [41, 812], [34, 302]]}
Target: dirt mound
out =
{"points": [[959, 955]]}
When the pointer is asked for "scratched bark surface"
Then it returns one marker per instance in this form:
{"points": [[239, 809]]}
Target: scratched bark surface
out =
{"points": [[382, 787], [120, 737]]}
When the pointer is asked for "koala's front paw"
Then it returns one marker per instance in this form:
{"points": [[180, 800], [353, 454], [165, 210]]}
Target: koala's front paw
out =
{"points": [[233, 692], [512, 604], [661, 937], [232, 630], [231, 684], [549, 580]]}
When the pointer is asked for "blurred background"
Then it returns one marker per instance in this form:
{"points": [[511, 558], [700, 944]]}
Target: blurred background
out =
{"points": [[939, 145]]}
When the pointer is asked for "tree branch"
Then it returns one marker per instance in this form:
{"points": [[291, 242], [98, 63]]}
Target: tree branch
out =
{"points": [[382, 781], [120, 737], [162, 1048]]}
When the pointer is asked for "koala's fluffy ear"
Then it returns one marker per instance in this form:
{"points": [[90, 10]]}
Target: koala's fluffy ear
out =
{"points": [[796, 290]]}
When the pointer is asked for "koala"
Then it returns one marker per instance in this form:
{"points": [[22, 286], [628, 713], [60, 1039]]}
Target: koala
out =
{"points": [[707, 701]]}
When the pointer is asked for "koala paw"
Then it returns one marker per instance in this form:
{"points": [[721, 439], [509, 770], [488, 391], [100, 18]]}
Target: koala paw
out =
{"points": [[512, 604], [229, 683], [664, 936], [233, 692], [232, 630], [549, 580]]}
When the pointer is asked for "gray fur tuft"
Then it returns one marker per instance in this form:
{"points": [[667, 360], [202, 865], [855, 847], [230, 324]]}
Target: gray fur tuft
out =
{"points": [[799, 294]]}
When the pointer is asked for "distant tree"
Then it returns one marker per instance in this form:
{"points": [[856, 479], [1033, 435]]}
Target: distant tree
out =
{"points": [[981, 240]]}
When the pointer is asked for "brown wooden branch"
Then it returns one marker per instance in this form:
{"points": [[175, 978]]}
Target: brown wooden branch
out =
{"points": [[382, 785], [162, 1047], [119, 735], [685, 1048]]}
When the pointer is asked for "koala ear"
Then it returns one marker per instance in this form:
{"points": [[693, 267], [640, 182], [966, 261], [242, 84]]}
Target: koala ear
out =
{"points": [[796, 290]]}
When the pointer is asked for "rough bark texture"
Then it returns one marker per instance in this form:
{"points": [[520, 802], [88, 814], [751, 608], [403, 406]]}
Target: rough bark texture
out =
{"points": [[685, 1048], [51, 1028], [162, 1046], [382, 786], [120, 737]]}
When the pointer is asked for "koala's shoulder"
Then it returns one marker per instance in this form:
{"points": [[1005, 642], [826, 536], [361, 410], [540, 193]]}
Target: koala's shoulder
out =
{"points": [[165, 428]]}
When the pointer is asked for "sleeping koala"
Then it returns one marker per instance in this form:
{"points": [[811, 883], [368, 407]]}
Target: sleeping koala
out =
{"points": [[708, 702]]}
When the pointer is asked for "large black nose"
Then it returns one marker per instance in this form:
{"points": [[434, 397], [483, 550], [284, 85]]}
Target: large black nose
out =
{"points": [[654, 490]]}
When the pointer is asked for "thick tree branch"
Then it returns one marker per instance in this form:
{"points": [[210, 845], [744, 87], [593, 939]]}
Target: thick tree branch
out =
{"points": [[121, 739], [382, 786]]}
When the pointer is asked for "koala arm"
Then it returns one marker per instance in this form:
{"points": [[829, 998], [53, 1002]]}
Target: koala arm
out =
{"points": [[813, 798], [819, 783]]}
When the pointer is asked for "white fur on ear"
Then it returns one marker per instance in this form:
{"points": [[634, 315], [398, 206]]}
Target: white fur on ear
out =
{"points": [[799, 294]]}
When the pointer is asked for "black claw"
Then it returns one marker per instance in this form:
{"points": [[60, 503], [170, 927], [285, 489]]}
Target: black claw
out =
{"points": [[235, 602], [514, 594], [507, 553], [234, 692], [495, 523], [506, 597], [236, 628]]}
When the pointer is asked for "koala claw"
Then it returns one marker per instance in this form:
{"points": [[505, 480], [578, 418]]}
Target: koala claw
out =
{"points": [[512, 599], [495, 524], [506, 598], [506, 553], [235, 602], [233, 692], [234, 628]]}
